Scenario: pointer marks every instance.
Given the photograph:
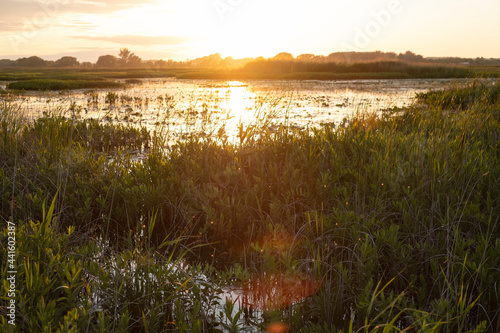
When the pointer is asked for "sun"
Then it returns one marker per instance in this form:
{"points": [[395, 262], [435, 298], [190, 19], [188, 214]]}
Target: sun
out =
{"points": [[237, 34], [247, 48]]}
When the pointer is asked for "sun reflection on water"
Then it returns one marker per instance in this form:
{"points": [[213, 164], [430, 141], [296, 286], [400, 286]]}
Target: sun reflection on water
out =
{"points": [[239, 105], [225, 109]]}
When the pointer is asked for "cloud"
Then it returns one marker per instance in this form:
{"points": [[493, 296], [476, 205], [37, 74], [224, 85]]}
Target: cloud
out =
{"points": [[27, 7], [138, 39], [18, 12], [7, 26], [79, 25], [101, 6]]}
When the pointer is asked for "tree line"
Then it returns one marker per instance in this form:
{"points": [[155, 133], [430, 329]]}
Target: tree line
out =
{"points": [[128, 59]]}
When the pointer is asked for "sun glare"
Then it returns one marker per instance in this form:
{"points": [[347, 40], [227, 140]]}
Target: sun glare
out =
{"points": [[238, 104], [251, 46]]}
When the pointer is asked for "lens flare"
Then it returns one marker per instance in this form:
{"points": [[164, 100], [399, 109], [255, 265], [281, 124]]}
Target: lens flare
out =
{"points": [[275, 291], [277, 328]]}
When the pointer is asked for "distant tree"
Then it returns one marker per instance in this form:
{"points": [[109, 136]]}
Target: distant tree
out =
{"points": [[212, 61], [156, 63], [320, 58], [123, 56], [283, 56], [306, 57], [410, 56], [391, 55], [340, 57], [7, 63], [33, 61], [107, 61], [134, 61], [86, 64], [128, 59], [67, 62], [357, 57]]}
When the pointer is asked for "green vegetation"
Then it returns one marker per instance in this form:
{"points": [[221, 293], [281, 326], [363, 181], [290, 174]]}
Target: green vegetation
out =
{"points": [[62, 79], [127, 59], [304, 70], [75, 74], [50, 84], [460, 98], [395, 216]]}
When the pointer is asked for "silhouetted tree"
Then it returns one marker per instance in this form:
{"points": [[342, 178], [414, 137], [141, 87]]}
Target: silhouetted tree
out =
{"points": [[410, 56], [123, 56], [357, 57], [33, 61], [86, 64], [67, 62], [211, 61], [306, 57], [7, 63], [107, 61], [134, 61], [283, 56], [128, 59]]}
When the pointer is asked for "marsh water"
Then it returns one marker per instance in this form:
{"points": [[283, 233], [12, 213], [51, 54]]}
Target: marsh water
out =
{"points": [[199, 105]]}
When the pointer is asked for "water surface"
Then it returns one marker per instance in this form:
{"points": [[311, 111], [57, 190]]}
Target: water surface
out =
{"points": [[194, 105]]}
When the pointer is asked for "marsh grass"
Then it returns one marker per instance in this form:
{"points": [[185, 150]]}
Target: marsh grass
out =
{"points": [[20, 74], [53, 84], [397, 215], [463, 97], [300, 70], [60, 79]]}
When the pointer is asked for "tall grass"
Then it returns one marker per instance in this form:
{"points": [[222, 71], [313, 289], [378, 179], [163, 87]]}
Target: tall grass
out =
{"points": [[395, 218], [54, 84], [304, 70]]}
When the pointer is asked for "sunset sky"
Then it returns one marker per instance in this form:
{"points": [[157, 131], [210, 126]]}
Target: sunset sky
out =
{"points": [[187, 29]]}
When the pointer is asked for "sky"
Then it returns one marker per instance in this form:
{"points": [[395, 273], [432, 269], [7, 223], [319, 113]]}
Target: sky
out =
{"points": [[188, 29]]}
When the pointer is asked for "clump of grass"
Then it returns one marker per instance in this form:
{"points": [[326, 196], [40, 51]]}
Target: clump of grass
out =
{"points": [[462, 97], [73, 282]]}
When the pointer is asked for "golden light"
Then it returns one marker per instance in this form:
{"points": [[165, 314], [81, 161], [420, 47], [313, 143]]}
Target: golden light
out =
{"points": [[238, 104], [273, 291], [278, 242], [276, 291], [277, 328], [248, 46]]}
